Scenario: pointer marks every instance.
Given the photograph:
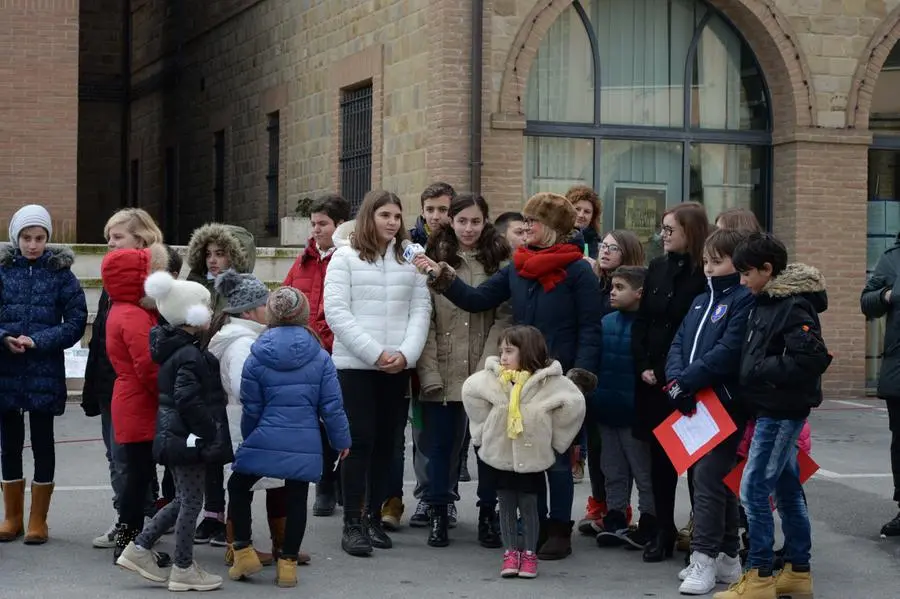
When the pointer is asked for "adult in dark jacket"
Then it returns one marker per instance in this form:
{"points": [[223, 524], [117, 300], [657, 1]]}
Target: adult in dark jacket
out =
{"points": [[289, 384], [673, 281], [129, 228], [877, 300], [588, 212], [551, 287], [42, 313], [191, 429]]}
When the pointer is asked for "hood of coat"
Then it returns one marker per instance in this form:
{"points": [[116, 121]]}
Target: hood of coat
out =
{"points": [[342, 234], [419, 233], [237, 242], [799, 280], [123, 273], [55, 257], [237, 328], [165, 340], [492, 364], [286, 348]]}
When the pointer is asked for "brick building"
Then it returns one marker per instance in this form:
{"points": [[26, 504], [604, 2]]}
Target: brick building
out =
{"points": [[239, 108]]}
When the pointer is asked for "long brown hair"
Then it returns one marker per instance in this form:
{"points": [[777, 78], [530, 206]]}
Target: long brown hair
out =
{"points": [[365, 238], [491, 250], [739, 219], [692, 218], [533, 353], [632, 253]]}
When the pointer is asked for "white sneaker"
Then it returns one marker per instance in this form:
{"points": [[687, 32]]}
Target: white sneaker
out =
{"points": [[728, 569], [193, 579], [142, 561], [701, 575], [108, 539]]}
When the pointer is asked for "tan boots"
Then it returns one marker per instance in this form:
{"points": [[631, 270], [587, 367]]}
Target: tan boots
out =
{"points": [[266, 559], [13, 525]]}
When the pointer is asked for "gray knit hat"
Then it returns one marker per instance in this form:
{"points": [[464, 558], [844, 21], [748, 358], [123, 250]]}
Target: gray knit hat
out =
{"points": [[32, 215], [243, 292]]}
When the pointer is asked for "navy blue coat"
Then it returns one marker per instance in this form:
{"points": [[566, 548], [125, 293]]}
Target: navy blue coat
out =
{"points": [[613, 401], [567, 316], [418, 234], [289, 383], [43, 300], [706, 351]]}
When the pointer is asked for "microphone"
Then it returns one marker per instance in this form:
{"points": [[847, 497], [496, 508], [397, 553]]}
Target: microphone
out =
{"points": [[410, 251]]}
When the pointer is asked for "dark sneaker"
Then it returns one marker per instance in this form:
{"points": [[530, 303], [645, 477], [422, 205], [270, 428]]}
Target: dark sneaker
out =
{"points": [[377, 536], [452, 515], [355, 541], [615, 525], [639, 537], [325, 500], [421, 518], [206, 529], [217, 537], [892, 528]]}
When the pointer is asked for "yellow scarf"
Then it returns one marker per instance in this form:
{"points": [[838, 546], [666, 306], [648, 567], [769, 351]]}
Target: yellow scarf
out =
{"points": [[517, 378]]}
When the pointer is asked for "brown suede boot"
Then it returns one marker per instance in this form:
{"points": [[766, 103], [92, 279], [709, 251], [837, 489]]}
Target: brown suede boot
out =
{"points": [[38, 532], [276, 531], [13, 525]]}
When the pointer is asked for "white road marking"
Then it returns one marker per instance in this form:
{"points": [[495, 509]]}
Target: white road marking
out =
{"points": [[857, 404], [836, 475]]}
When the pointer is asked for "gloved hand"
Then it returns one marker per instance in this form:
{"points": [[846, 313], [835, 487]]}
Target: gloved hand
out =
{"points": [[680, 399]]}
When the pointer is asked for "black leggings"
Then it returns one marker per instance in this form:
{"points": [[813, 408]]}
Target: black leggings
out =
{"points": [[140, 471], [215, 489], [12, 443], [241, 497]]}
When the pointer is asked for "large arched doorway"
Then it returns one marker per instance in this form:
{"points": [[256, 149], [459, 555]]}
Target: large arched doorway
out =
{"points": [[652, 102]]}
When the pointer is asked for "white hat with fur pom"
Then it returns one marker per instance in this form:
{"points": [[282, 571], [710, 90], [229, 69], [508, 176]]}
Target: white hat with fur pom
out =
{"points": [[179, 302]]}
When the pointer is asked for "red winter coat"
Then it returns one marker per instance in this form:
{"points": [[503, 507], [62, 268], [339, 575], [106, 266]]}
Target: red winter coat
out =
{"points": [[308, 275], [135, 393]]}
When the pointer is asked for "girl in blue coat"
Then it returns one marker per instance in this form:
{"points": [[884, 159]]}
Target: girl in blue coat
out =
{"points": [[289, 383], [42, 313]]}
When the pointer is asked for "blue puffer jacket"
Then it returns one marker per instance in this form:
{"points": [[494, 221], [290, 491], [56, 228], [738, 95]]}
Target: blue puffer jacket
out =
{"points": [[289, 383], [42, 300], [612, 403], [706, 352]]}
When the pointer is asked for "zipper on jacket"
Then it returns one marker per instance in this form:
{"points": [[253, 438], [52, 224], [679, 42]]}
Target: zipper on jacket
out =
{"points": [[712, 300]]}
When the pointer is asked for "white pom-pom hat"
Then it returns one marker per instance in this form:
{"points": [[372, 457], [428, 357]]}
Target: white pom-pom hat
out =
{"points": [[179, 302]]}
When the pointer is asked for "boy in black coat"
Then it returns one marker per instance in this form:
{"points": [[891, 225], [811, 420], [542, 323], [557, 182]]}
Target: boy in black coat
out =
{"points": [[782, 363]]}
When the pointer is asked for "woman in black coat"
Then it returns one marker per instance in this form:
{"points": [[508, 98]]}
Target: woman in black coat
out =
{"points": [[673, 281]]}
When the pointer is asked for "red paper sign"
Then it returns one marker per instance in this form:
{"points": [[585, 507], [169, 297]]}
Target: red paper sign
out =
{"points": [[666, 433], [806, 464]]}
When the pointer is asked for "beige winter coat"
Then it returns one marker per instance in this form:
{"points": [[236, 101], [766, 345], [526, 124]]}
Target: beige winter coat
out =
{"points": [[458, 342], [552, 410]]}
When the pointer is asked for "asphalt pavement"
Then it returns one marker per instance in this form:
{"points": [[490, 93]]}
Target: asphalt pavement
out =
{"points": [[849, 500]]}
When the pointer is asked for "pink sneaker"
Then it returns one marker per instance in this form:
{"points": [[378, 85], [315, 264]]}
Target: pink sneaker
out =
{"points": [[511, 560], [528, 565]]}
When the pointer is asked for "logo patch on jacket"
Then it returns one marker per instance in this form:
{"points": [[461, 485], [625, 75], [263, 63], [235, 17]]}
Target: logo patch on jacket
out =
{"points": [[719, 312]]}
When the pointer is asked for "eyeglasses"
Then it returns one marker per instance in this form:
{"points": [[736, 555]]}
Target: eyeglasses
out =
{"points": [[666, 231], [610, 247]]}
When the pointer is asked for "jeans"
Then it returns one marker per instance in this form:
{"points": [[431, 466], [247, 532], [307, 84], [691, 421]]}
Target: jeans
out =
{"points": [[444, 425], [375, 402], [181, 513], [772, 470], [716, 514], [594, 461], [486, 491], [239, 486], [398, 461], [893, 408], [626, 459], [215, 490], [562, 490], [12, 443]]}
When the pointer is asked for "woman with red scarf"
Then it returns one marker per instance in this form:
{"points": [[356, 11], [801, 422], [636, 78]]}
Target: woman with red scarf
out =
{"points": [[551, 287]]}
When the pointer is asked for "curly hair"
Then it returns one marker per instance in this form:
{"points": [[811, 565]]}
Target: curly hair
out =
{"points": [[491, 250], [583, 193]]}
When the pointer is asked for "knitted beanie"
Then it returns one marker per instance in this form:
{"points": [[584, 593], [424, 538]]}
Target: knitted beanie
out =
{"points": [[287, 307], [31, 215], [243, 292], [179, 302], [552, 210]]}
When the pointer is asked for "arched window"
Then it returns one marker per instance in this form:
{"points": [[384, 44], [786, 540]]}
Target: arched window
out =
{"points": [[652, 102]]}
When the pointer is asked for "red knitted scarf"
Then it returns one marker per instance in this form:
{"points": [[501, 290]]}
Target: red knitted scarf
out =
{"points": [[547, 266]]}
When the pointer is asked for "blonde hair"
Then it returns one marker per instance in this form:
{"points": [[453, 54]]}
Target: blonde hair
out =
{"points": [[137, 222]]}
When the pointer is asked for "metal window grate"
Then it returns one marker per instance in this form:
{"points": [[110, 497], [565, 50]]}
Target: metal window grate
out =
{"points": [[219, 176], [356, 144], [274, 130]]}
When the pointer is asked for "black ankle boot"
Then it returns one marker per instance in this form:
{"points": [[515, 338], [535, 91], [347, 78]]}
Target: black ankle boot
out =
{"points": [[488, 528], [325, 499], [661, 547], [355, 541], [375, 530], [438, 536], [124, 536]]}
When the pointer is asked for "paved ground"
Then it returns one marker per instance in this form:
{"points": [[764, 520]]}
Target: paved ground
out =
{"points": [[848, 501]]}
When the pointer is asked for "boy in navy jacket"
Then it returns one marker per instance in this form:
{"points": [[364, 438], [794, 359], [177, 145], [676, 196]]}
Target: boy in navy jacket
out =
{"points": [[706, 353]]}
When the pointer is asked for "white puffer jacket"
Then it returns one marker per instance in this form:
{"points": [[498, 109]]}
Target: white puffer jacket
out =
{"points": [[372, 308]]}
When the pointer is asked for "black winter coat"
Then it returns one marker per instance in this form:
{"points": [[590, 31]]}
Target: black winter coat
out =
{"points": [[191, 401], [99, 376], [784, 356], [873, 304]]}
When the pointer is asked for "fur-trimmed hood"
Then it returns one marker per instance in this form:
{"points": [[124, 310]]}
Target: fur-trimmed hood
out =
{"points": [[237, 242], [342, 234], [799, 279], [56, 257]]}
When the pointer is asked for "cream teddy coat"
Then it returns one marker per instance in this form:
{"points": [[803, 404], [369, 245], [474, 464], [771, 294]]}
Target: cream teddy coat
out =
{"points": [[552, 410]]}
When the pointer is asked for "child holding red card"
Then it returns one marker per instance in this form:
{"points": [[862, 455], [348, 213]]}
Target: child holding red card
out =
{"points": [[706, 353]]}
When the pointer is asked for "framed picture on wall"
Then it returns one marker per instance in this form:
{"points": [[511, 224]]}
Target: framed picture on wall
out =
{"points": [[639, 207]]}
